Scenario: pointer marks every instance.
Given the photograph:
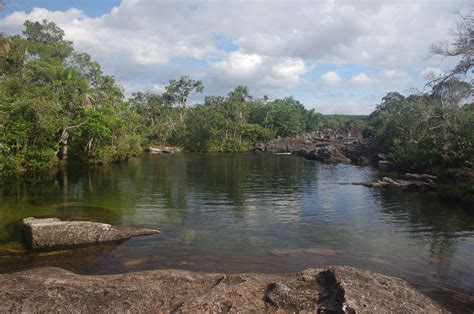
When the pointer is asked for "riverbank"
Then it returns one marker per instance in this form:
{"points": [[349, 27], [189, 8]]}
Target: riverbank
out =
{"points": [[329, 290]]}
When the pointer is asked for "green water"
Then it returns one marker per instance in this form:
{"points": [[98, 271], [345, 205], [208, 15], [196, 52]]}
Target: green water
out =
{"points": [[248, 213]]}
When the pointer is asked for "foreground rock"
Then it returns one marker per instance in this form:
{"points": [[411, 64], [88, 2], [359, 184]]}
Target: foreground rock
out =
{"points": [[163, 150], [326, 145], [410, 181], [51, 233], [332, 290]]}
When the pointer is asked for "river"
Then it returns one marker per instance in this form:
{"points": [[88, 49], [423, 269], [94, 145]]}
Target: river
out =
{"points": [[248, 213]]}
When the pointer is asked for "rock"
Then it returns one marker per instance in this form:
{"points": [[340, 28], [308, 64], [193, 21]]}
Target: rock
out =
{"points": [[389, 183], [299, 251], [326, 145], [330, 290], [328, 154], [50, 233], [330, 296], [278, 294], [420, 177], [259, 148], [163, 150], [385, 161]]}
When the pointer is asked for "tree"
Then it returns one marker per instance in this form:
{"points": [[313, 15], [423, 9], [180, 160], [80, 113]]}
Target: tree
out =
{"points": [[176, 95], [178, 91], [56, 103], [287, 116], [237, 99], [462, 46], [47, 41], [4, 44]]}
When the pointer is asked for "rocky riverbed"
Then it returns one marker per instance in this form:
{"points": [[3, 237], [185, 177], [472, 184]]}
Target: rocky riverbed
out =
{"points": [[346, 146], [330, 290]]}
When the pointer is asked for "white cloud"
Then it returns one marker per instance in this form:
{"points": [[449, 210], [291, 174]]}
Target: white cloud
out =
{"points": [[239, 64], [287, 72], [145, 42], [431, 73], [331, 78], [362, 79], [128, 32], [257, 70]]}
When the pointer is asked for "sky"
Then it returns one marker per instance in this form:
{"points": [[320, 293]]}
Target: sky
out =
{"points": [[333, 56]]}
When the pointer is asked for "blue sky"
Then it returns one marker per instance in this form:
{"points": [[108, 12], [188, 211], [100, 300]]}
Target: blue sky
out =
{"points": [[334, 56], [92, 8]]}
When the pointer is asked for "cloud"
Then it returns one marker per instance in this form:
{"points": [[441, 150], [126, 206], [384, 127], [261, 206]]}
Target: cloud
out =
{"points": [[239, 64], [257, 70], [271, 48], [431, 73], [127, 32], [362, 79], [331, 78]]}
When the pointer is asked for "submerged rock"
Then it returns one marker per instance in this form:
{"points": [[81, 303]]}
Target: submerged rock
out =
{"points": [[330, 290], [50, 233], [299, 251]]}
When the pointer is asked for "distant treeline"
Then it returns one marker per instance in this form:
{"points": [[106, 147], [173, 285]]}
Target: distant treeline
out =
{"points": [[57, 105]]}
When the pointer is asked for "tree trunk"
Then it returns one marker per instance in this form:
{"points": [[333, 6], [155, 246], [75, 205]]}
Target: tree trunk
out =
{"points": [[62, 151]]}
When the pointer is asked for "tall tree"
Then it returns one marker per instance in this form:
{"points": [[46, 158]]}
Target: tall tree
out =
{"points": [[462, 47], [178, 91]]}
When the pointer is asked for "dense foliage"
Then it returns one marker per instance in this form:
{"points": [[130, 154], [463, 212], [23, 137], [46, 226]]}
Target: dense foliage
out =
{"points": [[221, 124], [427, 131], [56, 105], [433, 131]]}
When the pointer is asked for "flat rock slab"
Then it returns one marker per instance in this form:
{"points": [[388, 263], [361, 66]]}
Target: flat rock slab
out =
{"points": [[389, 183], [48, 233], [330, 290]]}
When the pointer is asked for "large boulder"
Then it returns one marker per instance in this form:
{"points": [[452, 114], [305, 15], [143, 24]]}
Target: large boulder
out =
{"points": [[50, 233], [330, 290]]}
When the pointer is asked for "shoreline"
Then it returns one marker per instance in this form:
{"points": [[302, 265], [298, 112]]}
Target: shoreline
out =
{"points": [[334, 288]]}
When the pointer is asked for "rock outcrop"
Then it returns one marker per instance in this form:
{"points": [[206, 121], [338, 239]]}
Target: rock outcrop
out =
{"points": [[48, 233], [163, 150], [328, 153], [325, 145], [330, 290], [410, 181]]}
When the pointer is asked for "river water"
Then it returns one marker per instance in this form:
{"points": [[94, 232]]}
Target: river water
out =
{"points": [[249, 213]]}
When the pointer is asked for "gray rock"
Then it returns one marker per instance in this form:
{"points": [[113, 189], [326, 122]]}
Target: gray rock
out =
{"points": [[50, 233], [326, 145], [313, 290], [420, 177], [328, 154], [163, 150], [424, 184]]}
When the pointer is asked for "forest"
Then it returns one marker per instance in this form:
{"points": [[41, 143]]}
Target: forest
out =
{"points": [[57, 106]]}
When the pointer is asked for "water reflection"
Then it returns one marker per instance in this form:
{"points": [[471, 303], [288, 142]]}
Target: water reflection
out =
{"points": [[444, 231], [247, 213]]}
